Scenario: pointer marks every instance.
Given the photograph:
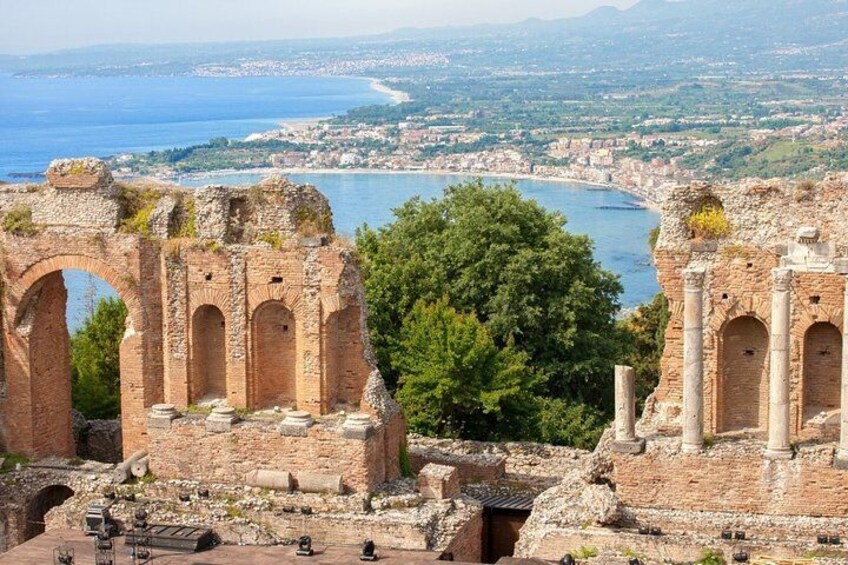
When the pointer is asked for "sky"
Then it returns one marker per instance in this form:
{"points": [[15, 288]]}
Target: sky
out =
{"points": [[29, 26]]}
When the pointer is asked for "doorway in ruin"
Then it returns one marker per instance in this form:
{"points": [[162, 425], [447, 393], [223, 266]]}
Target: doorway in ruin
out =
{"points": [[37, 508], [503, 518], [743, 378], [74, 325], [274, 354], [822, 369]]}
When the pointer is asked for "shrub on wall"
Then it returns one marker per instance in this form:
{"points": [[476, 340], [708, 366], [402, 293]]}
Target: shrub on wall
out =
{"points": [[709, 222], [18, 221], [137, 205]]}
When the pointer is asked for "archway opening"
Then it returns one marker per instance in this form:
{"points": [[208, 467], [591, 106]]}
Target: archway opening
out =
{"points": [[75, 325], [822, 369], [743, 386], [38, 507], [208, 355], [274, 343]]}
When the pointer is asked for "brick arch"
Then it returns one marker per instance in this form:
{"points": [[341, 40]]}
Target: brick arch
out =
{"points": [[728, 310], [274, 335], [742, 378], [27, 283], [290, 297], [814, 313], [209, 297], [822, 369]]}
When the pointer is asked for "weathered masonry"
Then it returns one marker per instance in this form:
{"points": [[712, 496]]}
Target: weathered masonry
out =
{"points": [[748, 428], [237, 296]]}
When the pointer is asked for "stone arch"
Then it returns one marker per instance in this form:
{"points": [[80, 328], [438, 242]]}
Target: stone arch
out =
{"points": [[38, 364], [208, 361], [26, 286], [274, 355], [39, 505], [743, 375], [822, 376]]}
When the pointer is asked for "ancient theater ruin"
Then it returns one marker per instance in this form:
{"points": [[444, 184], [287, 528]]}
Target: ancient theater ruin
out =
{"points": [[743, 446]]}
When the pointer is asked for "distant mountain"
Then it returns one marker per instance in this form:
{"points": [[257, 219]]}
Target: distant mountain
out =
{"points": [[748, 35]]}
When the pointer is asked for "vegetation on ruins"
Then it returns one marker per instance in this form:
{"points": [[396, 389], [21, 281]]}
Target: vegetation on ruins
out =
{"points": [[491, 254], [95, 361], [137, 204], [311, 222], [18, 221], [11, 461], [709, 222], [185, 221], [273, 238]]}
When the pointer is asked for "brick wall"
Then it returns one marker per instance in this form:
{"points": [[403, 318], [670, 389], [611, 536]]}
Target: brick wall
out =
{"points": [[187, 450], [732, 477]]}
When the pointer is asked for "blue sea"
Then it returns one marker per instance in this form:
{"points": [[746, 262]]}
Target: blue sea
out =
{"points": [[41, 119]]}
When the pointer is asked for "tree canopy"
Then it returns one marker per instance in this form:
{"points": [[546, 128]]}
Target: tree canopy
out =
{"points": [[95, 361], [492, 254]]}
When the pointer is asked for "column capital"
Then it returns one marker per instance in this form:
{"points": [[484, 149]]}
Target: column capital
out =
{"points": [[693, 278], [782, 279]]}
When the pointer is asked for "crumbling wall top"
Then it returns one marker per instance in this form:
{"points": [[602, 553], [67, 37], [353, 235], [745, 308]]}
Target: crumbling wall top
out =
{"points": [[87, 173], [761, 214]]}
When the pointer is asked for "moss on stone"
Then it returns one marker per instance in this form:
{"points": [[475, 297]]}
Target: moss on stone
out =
{"points": [[311, 222]]}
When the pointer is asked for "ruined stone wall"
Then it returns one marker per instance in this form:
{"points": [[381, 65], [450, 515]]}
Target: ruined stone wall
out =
{"points": [[198, 272], [188, 450], [764, 219], [732, 476]]}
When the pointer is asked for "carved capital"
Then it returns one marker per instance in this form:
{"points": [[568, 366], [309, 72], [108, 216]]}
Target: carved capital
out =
{"points": [[693, 279], [782, 279]]}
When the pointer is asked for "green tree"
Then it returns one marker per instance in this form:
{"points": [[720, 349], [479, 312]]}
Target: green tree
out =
{"points": [[645, 329], [95, 361], [454, 380], [490, 252]]}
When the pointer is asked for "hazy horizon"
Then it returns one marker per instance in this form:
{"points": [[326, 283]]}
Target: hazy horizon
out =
{"points": [[50, 25]]}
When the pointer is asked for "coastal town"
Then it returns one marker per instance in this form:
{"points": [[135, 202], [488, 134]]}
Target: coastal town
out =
{"points": [[645, 165]]}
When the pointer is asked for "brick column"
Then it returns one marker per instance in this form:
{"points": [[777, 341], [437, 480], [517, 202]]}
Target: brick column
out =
{"points": [[693, 360], [778, 432], [842, 454], [625, 412]]}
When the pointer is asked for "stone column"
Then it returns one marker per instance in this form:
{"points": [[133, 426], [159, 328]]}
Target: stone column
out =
{"points": [[778, 432], [625, 412], [693, 360], [842, 454]]}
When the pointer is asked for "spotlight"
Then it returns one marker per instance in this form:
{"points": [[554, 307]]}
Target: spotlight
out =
{"points": [[656, 531], [129, 497], [203, 493], [104, 549], [740, 557], [740, 535], [834, 540], [63, 555], [304, 547], [288, 509], [644, 531], [185, 497], [634, 561], [306, 510], [369, 551], [110, 495], [567, 559], [823, 539], [446, 556], [726, 535]]}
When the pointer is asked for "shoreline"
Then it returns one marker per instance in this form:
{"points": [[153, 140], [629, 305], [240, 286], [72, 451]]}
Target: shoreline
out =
{"points": [[396, 96], [647, 204]]}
